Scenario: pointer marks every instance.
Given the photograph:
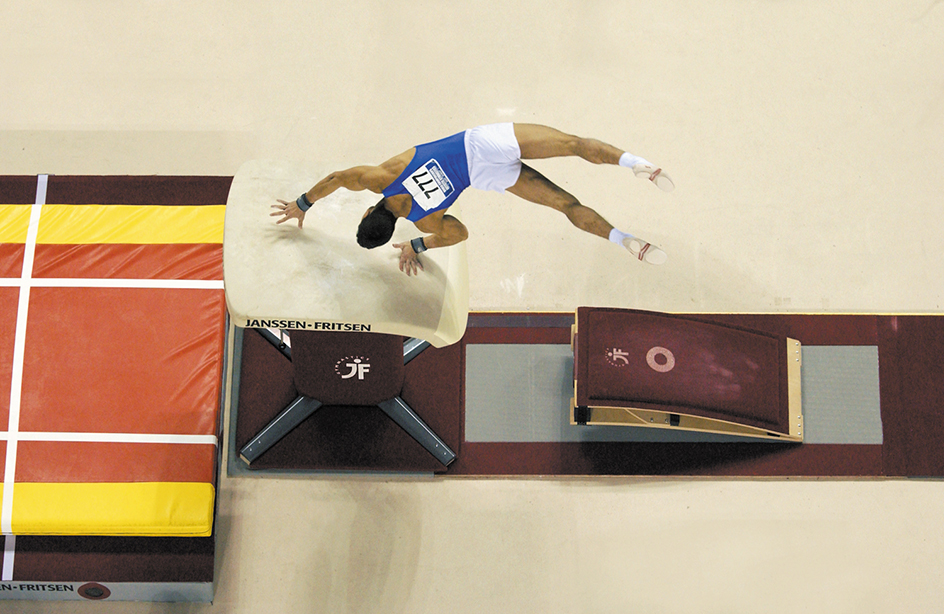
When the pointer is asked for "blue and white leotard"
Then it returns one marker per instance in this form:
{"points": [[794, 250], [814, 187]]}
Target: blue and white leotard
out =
{"points": [[437, 174]]}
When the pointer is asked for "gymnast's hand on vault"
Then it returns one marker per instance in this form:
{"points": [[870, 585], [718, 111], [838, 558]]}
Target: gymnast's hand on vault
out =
{"points": [[288, 211], [409, 261]]}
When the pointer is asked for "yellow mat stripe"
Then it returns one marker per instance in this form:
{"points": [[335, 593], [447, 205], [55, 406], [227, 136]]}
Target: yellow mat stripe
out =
{"points": [[79, 224], [145, 509], [14, 221]]}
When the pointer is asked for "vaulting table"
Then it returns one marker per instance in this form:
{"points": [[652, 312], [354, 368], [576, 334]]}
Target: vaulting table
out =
{"points": [[334, 297]]}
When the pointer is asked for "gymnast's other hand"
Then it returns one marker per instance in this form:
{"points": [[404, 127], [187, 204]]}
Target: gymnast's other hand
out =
{"points": [[288, 211], [409, 261]]}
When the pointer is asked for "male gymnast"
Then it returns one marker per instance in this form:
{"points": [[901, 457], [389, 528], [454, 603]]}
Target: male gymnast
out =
{"points": [[422, 183]]}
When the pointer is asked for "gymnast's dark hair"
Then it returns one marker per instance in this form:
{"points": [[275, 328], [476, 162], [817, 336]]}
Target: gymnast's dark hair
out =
{"points": [[377, 227]]}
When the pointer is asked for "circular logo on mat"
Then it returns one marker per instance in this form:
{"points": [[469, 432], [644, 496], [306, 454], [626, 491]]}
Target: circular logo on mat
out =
{"points": [[660, 359], [352, 366]]}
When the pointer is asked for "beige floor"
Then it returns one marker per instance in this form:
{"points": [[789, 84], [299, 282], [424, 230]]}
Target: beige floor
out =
{"points": [[806, 139]]}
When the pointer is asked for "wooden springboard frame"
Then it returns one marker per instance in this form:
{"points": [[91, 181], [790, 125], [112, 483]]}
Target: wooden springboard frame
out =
{"points": [[599, 415]]}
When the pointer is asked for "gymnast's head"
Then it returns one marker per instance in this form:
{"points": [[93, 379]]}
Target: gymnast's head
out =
{"points": [[376, 226]]}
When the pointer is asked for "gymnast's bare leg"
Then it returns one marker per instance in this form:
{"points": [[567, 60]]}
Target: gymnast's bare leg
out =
{"points": [[538, 142]]}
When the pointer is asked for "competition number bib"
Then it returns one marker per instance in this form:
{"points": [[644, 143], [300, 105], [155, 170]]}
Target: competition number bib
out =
{"points": [[428, 185]]}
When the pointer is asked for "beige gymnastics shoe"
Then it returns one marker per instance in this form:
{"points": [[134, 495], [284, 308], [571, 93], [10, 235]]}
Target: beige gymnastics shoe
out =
{"points": [[645, 251], [655, 175]]}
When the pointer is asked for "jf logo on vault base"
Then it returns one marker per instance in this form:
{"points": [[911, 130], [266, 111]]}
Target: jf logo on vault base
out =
{"points": [[646, 369], [318, 278]]}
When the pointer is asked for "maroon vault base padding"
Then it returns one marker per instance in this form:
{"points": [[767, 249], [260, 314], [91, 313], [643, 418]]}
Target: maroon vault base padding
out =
{"points": [[349, 437], [911, 380], [366, 368]]}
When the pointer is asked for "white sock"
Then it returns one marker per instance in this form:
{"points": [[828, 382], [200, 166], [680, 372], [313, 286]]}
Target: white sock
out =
{"points": [[629, 160], [617, 236]]}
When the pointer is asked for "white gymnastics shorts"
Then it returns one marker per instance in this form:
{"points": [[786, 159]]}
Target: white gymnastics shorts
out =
{"points": [[494, 157]]}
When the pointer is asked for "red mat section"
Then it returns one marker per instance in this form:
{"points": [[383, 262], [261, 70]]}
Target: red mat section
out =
{"points": [[194, 261], [113, 350], [47, 461], [11, 260], [115, 359], [110, 360], [9, 297]]}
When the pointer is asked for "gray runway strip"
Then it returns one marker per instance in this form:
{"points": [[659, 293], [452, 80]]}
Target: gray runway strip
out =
{"points": [[521, 393]]}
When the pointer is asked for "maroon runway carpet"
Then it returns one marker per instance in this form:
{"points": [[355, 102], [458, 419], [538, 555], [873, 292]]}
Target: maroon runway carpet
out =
{"points": [[911, 390]]}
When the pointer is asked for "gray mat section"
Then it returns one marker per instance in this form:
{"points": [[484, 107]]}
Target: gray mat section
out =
{"points": [[517, 392], [521, 393], [841, 394]]}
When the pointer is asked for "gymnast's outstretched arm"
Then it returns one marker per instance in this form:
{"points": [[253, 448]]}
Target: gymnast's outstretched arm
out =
{"points": [[356, 179], [445, 231]]}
